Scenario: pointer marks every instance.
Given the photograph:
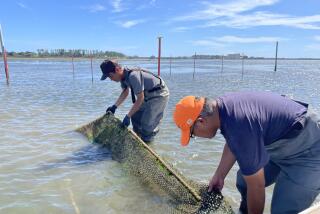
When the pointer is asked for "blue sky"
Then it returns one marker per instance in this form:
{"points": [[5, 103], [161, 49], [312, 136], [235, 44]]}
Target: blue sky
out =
{"points": [[187, 26]]}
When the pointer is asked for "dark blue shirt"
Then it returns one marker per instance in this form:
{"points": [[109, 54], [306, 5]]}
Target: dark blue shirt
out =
{"points": [[251, 120]]}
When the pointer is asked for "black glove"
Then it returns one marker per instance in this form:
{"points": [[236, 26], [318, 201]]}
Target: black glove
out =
{"points": [[112, 109], [126, 121]]}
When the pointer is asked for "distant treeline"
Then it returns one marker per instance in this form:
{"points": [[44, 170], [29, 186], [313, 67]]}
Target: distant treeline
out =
{"points": [[45, 53], [67, 53]]}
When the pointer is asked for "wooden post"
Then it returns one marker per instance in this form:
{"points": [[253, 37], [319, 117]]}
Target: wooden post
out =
{"points": [[276, 59], [4, 54], [194, 64], [159, 54]]}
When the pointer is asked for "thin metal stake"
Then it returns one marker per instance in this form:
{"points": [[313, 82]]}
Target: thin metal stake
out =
{"points": [[170, 65], [242, 65], [194, 64], [159, 54], [222, 63], [72, 67], [276, 60], [91, 69]]}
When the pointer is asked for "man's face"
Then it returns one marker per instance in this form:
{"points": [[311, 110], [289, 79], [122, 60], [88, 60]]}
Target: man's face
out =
{"points": [[117, 75], [203, 127]]}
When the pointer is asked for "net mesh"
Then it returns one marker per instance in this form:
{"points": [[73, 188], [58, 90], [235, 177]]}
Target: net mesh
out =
{"points": [[139, 160]]}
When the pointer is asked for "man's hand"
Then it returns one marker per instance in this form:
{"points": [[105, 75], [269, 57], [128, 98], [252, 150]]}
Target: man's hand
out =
{"points": [[216, 183], [226, 163], [111, 109], [126, 121]]}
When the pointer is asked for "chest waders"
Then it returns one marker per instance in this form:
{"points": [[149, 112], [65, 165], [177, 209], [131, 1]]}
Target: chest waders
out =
{"points": [[294, 168], [156, 88], [146, 120]]}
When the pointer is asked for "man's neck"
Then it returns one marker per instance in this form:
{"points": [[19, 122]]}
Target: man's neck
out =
{"points": [[124, 73]]}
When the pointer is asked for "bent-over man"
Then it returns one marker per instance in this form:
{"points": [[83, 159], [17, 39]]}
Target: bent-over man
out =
{"points": [[149, 95], [273, 139]]}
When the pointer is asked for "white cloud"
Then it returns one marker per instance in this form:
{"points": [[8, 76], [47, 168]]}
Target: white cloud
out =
{"points": [[224, 40], [267, 19], [130, 23], [236, 39], [237, 15], [228, 9], [22, 5], [152, 2], [147, 5], [317, 38], [181, 29], [96, 8], [117, 6], [207, 43]]}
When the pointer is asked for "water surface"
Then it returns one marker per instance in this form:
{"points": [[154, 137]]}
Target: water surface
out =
{"points": [[46, 167]]}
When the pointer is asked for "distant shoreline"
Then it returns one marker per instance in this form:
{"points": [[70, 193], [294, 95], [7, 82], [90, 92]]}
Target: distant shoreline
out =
{"points": [[144, 58]]}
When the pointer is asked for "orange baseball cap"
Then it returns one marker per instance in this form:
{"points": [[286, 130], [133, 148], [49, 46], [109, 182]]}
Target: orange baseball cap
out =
{"points": [[185, 114]]}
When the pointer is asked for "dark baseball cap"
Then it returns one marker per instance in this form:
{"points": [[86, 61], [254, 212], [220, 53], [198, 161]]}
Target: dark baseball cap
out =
{"points": [[106, 67]]}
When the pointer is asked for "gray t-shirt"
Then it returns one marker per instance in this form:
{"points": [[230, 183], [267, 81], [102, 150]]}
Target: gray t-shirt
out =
{"points": [[139, 81]]}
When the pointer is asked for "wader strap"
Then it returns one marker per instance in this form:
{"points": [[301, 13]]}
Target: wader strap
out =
{"points": [[151, 74], [133, 97], [156, 88]]}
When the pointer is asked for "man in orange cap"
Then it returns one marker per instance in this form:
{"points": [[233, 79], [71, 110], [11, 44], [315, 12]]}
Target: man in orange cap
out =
{"points": [[273, 139]]}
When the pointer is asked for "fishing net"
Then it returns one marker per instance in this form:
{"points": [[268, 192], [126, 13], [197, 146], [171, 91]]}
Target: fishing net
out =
{"points": [[139, 160]]}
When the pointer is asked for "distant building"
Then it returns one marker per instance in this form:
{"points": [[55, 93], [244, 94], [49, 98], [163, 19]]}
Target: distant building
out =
{"points": [[236, 56], [233, 56]]}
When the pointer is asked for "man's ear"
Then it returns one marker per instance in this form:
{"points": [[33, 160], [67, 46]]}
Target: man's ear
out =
{"points": [[116, 69], [201, 120]]}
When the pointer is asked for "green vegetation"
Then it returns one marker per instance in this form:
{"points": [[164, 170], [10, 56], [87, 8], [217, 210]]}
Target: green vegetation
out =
{"points": [[82, 53], [45, 53]]}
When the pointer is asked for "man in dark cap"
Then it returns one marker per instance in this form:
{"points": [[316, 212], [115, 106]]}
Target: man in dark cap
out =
{"points": [[149, 95]]}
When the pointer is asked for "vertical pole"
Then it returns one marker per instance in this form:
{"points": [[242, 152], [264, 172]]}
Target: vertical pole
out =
{"points": [[6, 67], [194, 64], [221, 63], [91, 67], [242, 65], [72, 66], [170, 64], [276, 60], [159, 54], [4, 54]]}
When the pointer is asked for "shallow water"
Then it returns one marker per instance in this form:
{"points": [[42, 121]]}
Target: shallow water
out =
{"points": [[46, 167]]}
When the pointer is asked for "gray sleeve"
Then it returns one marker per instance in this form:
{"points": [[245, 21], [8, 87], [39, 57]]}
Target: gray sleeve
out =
{"points": [[136, 82]]}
